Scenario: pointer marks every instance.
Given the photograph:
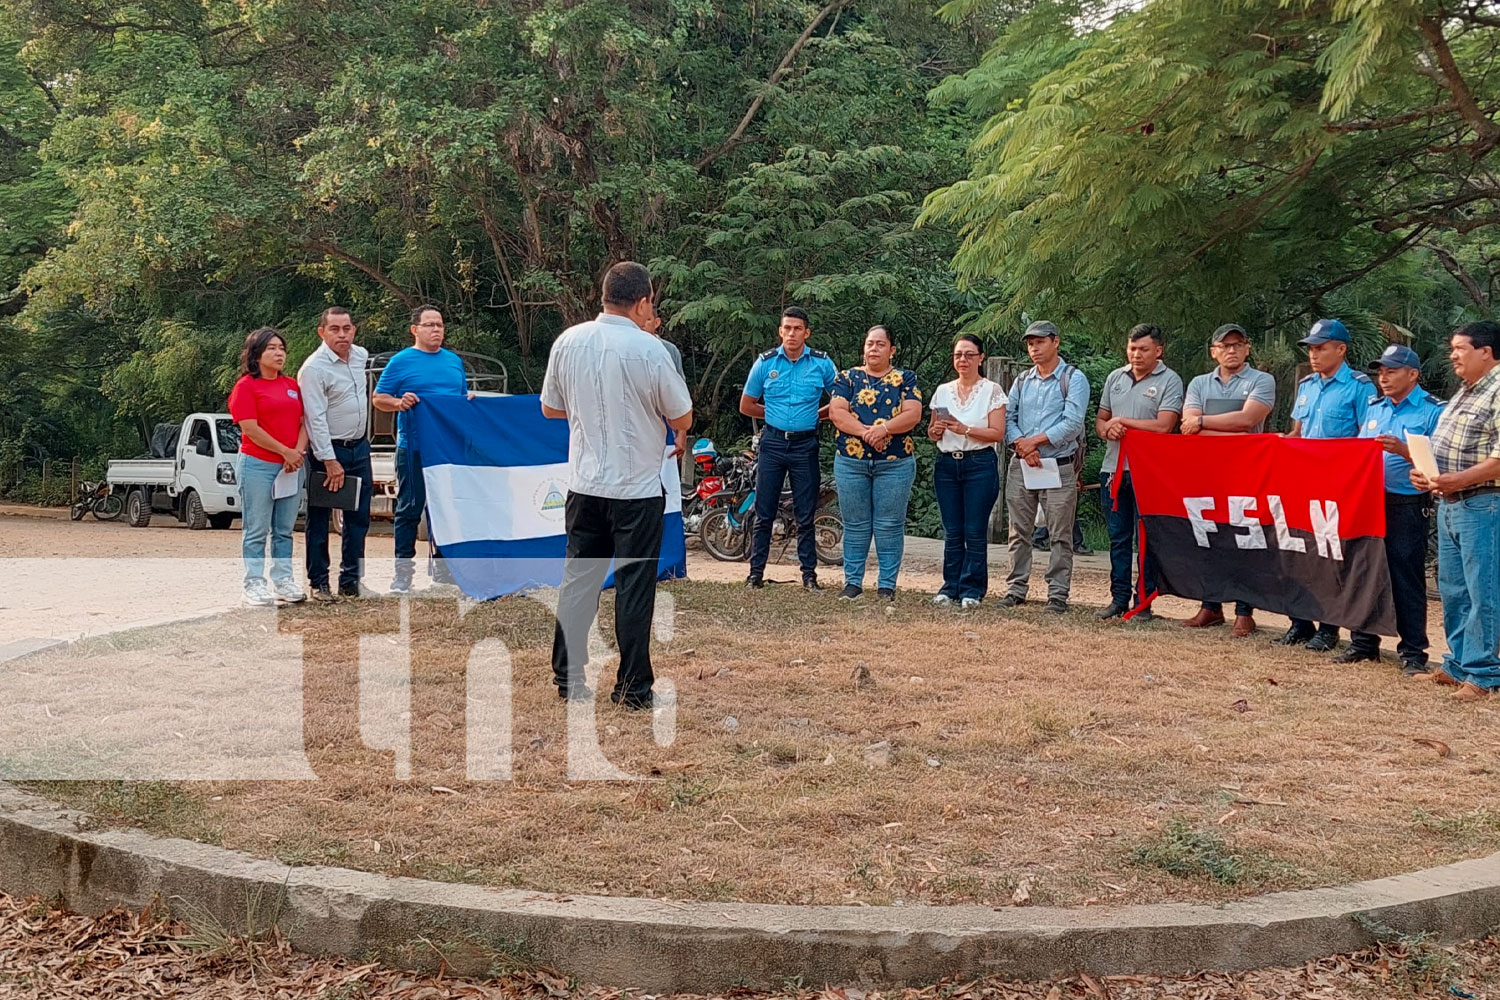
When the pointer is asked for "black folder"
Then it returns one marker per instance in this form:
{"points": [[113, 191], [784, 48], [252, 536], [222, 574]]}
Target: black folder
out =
{"points": [[344, 498]]}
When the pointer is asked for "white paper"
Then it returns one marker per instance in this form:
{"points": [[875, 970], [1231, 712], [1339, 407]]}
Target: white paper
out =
{"points": [[286, 484], [1422, 458], [1044, 477]]}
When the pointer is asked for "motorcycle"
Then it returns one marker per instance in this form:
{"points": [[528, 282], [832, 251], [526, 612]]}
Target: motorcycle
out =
{"points": [[97, 499], [727, 528]]}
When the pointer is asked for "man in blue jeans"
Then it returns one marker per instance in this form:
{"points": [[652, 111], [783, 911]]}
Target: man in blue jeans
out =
{"points": [[1145, 396], [423, 369], [785, 389], [336, 410], [1466, 445]]}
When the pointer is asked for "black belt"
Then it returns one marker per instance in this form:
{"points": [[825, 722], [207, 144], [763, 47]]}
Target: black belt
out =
{"points": [[347, 443], [1063, 460], [959, 456], [1477, 491], [790, 436], [1408, 499]]}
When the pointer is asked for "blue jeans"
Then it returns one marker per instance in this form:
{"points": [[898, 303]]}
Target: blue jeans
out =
{"points": [[1469, 582], [966, 490], [873, 495], [261, 516], [411, 501], [356, 523], [1122, 518]]}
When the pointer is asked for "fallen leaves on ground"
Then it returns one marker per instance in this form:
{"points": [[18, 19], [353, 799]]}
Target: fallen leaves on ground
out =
{"points": [[47, 953]]}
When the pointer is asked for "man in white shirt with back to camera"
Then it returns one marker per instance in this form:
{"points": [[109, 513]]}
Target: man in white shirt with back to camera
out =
{"points": [[616, 386]]}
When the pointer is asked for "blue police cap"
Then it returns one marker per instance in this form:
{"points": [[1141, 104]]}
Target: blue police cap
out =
{"points": [[1324, 331], [1399, 356]]}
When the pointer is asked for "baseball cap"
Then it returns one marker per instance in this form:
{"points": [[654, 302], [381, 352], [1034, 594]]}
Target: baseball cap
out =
{"points": [[1398, 356], [1041, 328], [1226, 330], [1325, 331]]}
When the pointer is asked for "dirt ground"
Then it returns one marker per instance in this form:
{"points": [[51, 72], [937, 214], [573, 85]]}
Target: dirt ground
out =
{"points": [[989, 756], [47, 953]]}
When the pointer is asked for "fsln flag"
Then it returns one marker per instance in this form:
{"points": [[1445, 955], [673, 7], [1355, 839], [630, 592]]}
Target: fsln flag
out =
{"points": [[1287, 524], [497, 485]]}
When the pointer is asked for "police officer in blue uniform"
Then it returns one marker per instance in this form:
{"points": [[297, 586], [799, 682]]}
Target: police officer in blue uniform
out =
{"points": [[1404, 408], [1331, 403], [786, 388]]}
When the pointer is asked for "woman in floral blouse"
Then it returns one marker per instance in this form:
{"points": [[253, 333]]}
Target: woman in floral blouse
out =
{"points": [[874, 408]]}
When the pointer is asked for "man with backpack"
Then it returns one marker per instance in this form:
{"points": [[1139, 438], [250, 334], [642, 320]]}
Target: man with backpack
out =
{"points": [[1044, 419]]}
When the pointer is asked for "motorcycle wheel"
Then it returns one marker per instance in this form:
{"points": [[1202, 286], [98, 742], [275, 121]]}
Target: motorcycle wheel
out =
{"points": [[109, 507], [722, 540], [828, 532]]}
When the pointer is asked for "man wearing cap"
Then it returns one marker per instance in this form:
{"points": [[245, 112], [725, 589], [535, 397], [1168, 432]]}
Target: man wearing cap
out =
{"points": [[1234, 398], [1044, 418], [1144, 396], [1403, 408], [1466, 446], [1332, 402], [785, 389]]}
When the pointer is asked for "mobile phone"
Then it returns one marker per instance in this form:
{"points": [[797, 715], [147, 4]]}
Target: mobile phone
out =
{"points": [[942, 413]]}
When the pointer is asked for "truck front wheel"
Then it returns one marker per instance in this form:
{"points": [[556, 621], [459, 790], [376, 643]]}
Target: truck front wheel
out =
{"points": [[137, 508], [193, 513]]}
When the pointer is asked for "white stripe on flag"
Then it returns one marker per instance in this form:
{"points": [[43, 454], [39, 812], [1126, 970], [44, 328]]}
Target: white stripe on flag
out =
{"points": [[474, 503]]}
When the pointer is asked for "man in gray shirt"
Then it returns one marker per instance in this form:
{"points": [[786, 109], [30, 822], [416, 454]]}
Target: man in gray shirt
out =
{"points": [[1234, 398], [1144, 397], [615, 386], [336, 409]]}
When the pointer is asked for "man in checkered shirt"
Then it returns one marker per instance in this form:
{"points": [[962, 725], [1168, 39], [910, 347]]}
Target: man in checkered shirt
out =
{"points": [[1467, 447]]}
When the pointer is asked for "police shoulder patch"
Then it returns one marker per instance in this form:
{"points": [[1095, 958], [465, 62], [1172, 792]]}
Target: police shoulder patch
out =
{"points": [[768, 355], [817, 353], [1360, 376], [1307, 378], [1375, 399]]}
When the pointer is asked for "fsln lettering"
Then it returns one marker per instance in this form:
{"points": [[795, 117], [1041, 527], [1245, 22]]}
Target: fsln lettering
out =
{"points": [[1243, 514]]}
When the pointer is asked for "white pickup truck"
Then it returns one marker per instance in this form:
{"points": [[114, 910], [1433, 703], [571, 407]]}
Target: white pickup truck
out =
{"points": [[189, 474]]}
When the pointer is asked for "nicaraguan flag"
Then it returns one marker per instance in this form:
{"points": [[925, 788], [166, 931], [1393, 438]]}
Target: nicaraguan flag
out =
{"points": [[497, 488]]}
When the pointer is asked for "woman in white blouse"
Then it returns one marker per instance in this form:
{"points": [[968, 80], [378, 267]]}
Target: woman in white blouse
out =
{"points": [[968, 420]]}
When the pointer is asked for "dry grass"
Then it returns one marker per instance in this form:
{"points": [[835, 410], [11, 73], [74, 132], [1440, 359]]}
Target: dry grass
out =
{"points": [[1095, 763], [46, 953]]}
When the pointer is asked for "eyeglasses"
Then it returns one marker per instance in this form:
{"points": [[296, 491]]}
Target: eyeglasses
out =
{"points": [[431, 324], [1237, 345], [961, 355]]}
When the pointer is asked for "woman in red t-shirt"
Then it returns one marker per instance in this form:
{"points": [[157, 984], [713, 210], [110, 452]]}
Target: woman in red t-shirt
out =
{"points": [[268, 407]]}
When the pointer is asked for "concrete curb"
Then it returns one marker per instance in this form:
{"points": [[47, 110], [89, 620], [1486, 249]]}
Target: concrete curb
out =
{"points": [[665, 946]]}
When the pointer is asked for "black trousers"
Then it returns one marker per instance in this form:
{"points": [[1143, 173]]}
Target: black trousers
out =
{"points": [[356, 523], [601, 529], [780, 458], [1406, 554]]}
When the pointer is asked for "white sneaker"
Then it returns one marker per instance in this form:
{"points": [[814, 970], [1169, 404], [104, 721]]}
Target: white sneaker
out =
{"points": [[288, 591], [258, 595], [969, 602], [942, 600]]}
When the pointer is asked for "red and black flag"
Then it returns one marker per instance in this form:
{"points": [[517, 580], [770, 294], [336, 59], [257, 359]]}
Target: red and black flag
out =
{"points": [[1286, 524]]}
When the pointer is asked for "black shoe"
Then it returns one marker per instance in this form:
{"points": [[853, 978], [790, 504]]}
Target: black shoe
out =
{"points": [[1115, 610], [810, 584], [1352, 655], [1322, 643], [1143, 615], [634, 702], [850, 592], [755, 583], [1295, 637], [323, 595], [1011, 601], [575, 692], [888, 594], [1413, 667], [353, 590], [1056, 606], [401, 584]]}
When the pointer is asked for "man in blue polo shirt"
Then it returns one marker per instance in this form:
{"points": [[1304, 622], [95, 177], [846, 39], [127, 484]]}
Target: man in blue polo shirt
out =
{"points": [[1404, 408], [1331, 403], [786, 389], [424, 369]]}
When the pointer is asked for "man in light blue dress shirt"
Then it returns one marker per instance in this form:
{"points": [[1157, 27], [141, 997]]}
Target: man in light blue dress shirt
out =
{"points": [[1331, 403], [1044, 418]]}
